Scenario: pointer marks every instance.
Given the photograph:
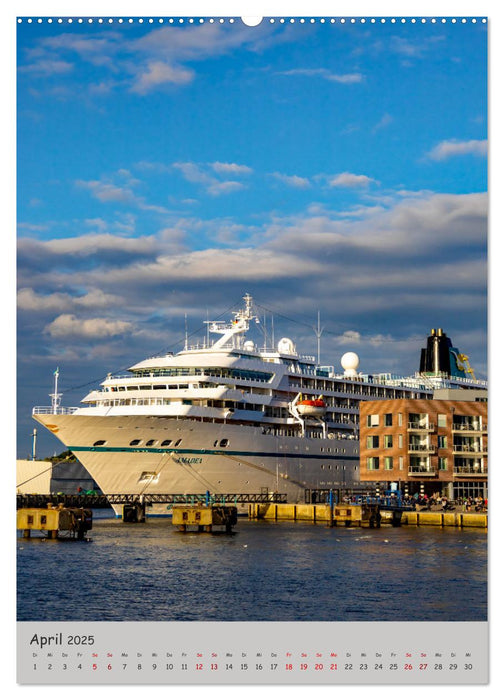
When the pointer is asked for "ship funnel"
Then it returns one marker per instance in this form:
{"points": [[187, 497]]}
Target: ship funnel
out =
{"points": [[439, 358]]}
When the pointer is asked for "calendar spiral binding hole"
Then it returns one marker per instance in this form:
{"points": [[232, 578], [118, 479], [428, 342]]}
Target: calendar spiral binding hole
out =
{"points": [[231, 20]]}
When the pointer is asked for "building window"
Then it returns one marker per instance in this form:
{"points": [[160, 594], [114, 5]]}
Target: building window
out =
{"points": [[399, 419], [441, 420], [388, 419], [443, 463], [373, 463], [442, 441], [400, 440], [373, 420], [372, 441], [389, 463], [401, 462], [388, 441]]}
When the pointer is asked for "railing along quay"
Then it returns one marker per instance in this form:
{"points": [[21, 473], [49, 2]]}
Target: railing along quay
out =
{"points": [[106, 500]]}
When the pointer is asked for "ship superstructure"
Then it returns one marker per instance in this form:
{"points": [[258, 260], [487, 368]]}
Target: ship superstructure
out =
{"points": [[229, 417]]}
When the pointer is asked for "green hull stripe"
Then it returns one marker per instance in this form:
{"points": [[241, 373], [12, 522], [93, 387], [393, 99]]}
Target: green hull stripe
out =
{"points": [[325, 456]]}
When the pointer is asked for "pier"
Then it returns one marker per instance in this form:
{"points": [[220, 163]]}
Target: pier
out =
{"points": [[204, 517], [75, 522], [364, 515]]}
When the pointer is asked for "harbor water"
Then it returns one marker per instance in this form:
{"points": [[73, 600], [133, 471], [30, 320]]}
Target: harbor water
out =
{"points": [[264, 571]]}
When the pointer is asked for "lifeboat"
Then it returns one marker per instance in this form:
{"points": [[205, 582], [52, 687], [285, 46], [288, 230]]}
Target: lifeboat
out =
{"points": [[311, 407]]}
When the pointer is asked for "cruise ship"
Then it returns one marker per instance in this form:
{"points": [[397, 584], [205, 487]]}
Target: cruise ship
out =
{"points": [[229, 417]]}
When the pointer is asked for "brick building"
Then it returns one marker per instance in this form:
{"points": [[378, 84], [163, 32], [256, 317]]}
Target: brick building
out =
{"points": [[429, 445]]}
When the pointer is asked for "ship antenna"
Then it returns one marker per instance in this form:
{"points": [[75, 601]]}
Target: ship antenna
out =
{"points": [[318, 333], [34, 444], [185, 322], [55, 396]]}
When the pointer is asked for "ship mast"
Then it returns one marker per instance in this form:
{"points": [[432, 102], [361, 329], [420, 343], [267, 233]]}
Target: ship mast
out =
{"points": [[235, 330], [55, 396]]}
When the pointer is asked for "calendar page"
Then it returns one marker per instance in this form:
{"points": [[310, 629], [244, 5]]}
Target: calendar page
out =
{"points": [[252, 428]]}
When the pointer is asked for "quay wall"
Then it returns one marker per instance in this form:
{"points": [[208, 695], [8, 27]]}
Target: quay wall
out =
{"points": [[354, 515]]}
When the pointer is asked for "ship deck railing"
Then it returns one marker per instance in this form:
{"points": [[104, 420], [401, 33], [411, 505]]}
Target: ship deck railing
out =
{"points": [[51, 410]]}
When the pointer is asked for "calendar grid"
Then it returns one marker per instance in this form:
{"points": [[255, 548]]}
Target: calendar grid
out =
{"points": [[245, 653]]}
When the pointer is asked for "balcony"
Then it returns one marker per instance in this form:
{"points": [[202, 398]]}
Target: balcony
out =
{"points": [[421, 427], [468, 428], [471, 449], [422, 449], [421, 471], [470, 471]]}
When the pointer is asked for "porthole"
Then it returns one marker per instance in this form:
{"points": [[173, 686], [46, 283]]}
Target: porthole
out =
{"points": [[135, 442], [224, 442], [149, 443], [165, 443], [99, 442], [178, 442]]}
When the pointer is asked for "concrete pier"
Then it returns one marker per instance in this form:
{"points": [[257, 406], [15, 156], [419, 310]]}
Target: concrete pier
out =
{"points": [[74, 521], [204, 517], [362, 515]]}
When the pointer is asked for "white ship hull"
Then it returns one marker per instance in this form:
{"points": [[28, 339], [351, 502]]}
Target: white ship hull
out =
{"points": [[250, 463], [229, 418]]}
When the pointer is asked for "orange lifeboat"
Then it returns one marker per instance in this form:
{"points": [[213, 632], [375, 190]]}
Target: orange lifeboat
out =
{"points": [[311, 407]]}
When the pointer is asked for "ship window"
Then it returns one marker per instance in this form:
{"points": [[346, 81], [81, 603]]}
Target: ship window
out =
{"points": [[135, 442], [132, 388], [148, 478], [99, 442], [224, 442], [178, 442], [149, 443], [165, 443], [159, 386]]}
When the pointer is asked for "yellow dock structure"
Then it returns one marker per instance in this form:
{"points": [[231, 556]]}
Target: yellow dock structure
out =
{"points": [[54, 520], [343, 514], [204, 517], [362, 515]]}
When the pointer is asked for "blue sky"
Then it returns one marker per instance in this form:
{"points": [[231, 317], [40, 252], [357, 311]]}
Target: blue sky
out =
{"points": [[166, 170]]}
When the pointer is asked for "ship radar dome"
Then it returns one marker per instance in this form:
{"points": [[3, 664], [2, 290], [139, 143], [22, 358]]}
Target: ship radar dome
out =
{"points": [[350, 362], [286, 347], [249, 346]]}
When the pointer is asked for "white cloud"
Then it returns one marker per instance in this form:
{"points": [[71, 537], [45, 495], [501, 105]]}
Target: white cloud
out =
{"points": [[351, 180], [29, 300], [231, 168], [47, 67], [157, 73], [68, 325], [326, 74], [198, 174], [448, 149], [293, 180], [384, 122]]}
